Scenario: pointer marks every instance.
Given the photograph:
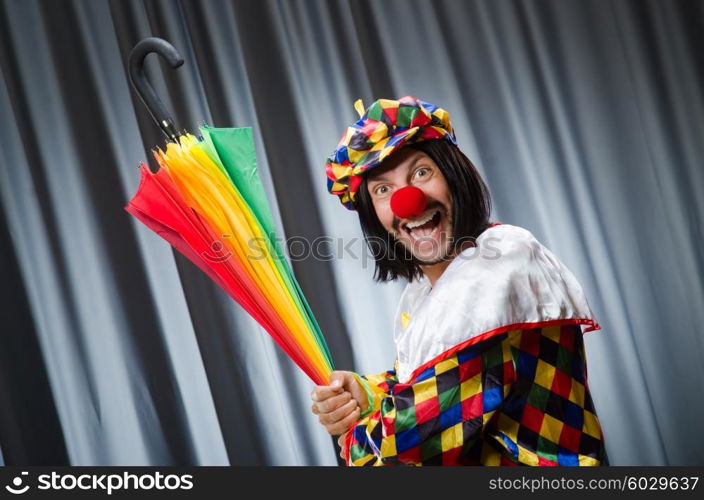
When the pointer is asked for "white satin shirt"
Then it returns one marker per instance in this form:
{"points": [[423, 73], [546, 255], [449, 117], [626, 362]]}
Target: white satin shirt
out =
{"points": [[508, 278]]}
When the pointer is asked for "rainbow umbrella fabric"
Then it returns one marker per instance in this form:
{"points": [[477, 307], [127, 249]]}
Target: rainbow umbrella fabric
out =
{"points": [[207, 201]]}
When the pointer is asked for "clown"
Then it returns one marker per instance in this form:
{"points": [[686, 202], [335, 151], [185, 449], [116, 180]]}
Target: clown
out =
{"points": [[490, 366]]}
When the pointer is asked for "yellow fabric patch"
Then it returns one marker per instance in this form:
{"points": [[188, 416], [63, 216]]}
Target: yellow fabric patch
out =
{"points": [[338, 186], [379, 133], [577, 393], [425, 390], [507, 356], [514, 338], [509, 427], [551, 428], [588, 461], [405, 318], [544, 374], [490, 456], [487, 416], [441, 114], [348, 135], [527, 457], [591, 425], [452, 437], [354, 155], [388, 103], [379, 146], [340, 172], [552, 332], [507, 389], [359, 107], [388, 446], [470, 387], [445, 365]]}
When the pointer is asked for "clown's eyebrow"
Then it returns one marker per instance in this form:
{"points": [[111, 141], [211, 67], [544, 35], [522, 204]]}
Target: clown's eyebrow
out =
{"points": [[381, 177]]}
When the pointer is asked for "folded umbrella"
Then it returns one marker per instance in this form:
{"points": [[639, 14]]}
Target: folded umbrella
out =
{"points": [[208, 202]]}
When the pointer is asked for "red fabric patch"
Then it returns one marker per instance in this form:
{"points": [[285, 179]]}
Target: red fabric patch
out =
{"points": [[530, 342], [431, 133], [388, 425], [561, 384], [452, 457], [355, 181], [509, 373], [567, 333], [391, 113], [419, 120], [472, 407], [399, 388], [532, 418], [428, 409], [570, 437], [470, 368], [369, 127], [544, 461], [411, 456]]}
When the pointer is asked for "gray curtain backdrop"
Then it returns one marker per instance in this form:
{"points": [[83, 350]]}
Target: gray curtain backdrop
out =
{"points": [[585, 117]]}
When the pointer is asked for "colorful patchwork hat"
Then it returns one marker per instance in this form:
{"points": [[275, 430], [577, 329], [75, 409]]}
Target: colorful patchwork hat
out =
{"points": [[383, 128]]}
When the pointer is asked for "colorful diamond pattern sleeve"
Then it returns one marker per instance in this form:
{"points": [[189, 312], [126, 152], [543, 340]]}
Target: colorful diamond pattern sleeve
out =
{"points": [[515, 398]]}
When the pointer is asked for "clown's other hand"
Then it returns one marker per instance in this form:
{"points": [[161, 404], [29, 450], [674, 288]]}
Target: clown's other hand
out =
{"points": [[339, 404]]}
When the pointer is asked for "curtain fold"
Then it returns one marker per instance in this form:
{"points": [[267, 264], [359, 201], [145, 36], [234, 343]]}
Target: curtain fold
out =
{"points": [[584, 117]]}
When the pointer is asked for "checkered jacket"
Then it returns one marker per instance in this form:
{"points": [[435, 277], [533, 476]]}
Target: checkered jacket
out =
{"points": [[518, 397]]}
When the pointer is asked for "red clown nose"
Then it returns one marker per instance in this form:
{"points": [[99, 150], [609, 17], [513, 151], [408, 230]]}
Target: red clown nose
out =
{"points": [[408, 202]]}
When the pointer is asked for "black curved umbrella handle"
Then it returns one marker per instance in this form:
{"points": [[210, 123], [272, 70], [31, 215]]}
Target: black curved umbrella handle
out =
{"points": [[144, 89]]}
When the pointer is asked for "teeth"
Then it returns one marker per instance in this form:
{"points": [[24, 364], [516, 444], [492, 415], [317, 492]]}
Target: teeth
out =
{"points": [[425, 236], [417, 223]]}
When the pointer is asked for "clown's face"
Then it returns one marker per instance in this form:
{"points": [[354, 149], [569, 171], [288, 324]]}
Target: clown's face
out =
{"points": [[426, 235]]}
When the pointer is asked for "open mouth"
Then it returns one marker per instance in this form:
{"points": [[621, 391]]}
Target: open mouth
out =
{"points": [[425, 227]]}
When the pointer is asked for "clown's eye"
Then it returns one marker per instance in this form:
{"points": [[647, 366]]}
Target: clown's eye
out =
{"points": [[381, 190], [421, 172]]}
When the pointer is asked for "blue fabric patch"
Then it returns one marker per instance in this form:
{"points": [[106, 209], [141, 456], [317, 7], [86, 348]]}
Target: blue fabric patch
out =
{"points": [[405, 440], [466, 355], [360, 434], [426, 374], [566, 457], [492, 398], [451, 416], [527, 365], [510, 444], [574, 415]]}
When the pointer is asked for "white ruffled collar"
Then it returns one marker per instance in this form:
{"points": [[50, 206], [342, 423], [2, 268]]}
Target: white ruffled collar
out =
{"points": [[509, 278]]}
